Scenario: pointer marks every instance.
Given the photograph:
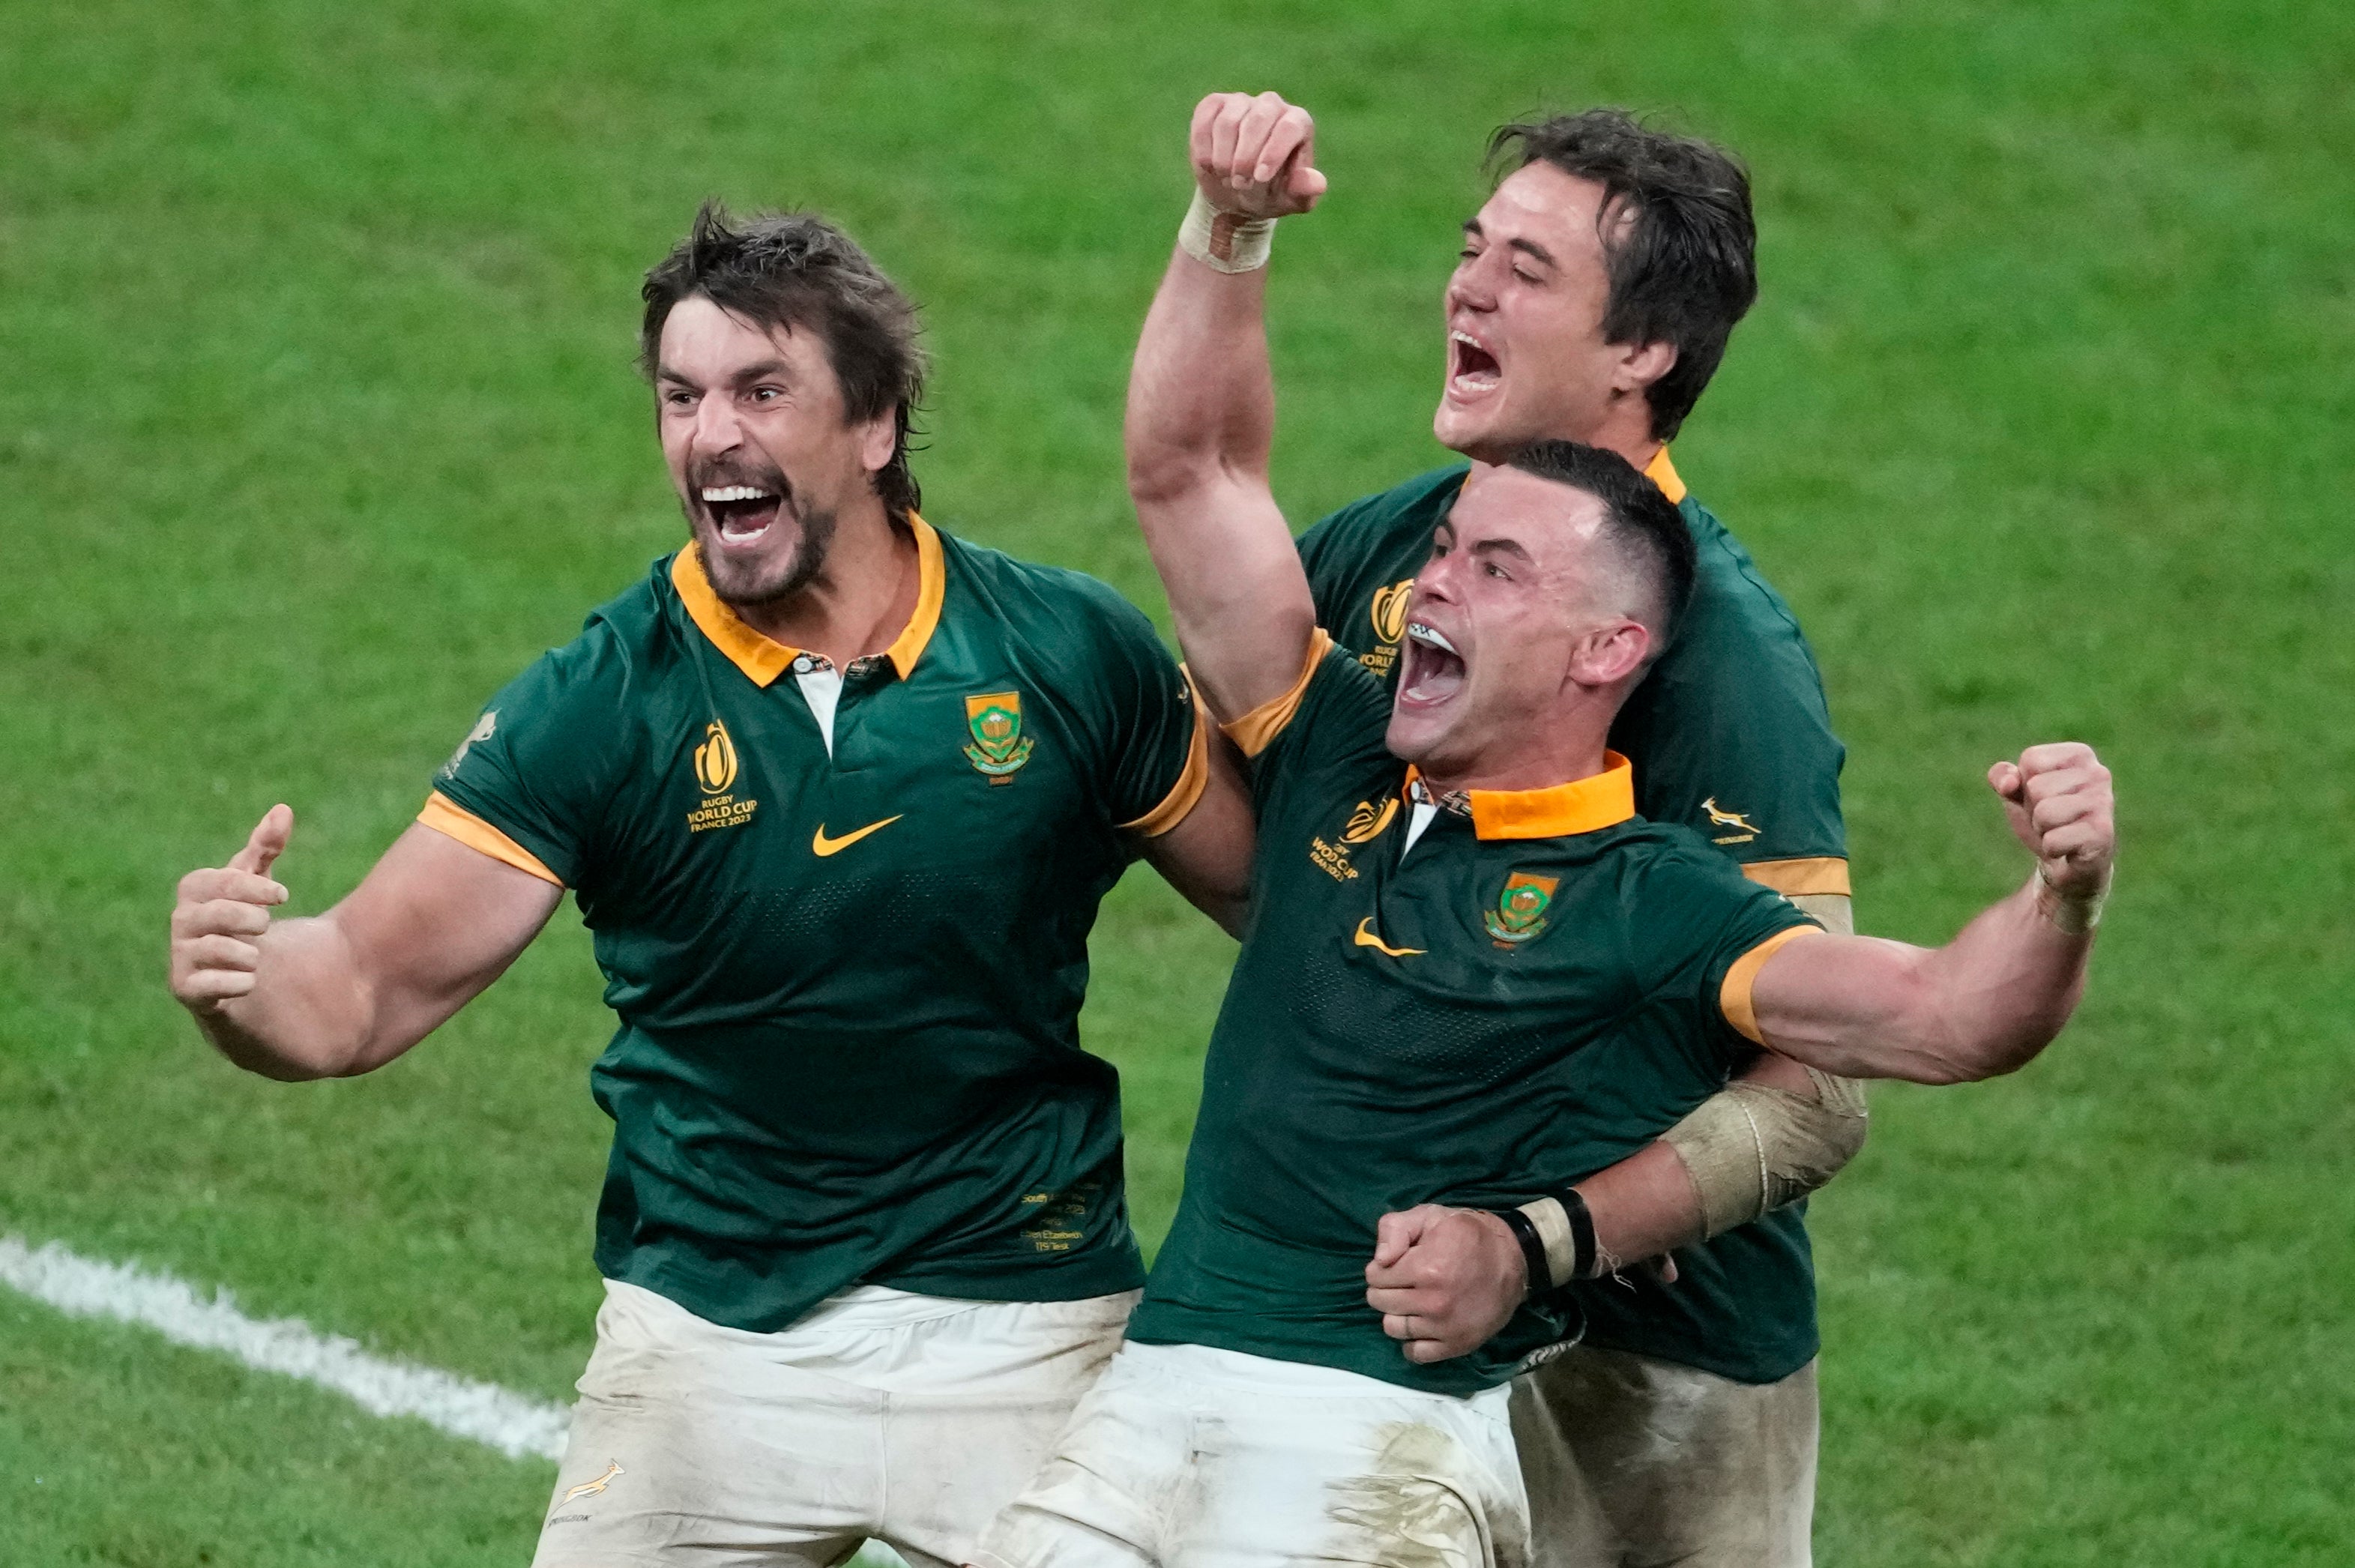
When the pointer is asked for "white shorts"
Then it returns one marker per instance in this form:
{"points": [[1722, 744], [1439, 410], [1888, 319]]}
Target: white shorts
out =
{"points": [[1186, 1456], [909, 1419]]}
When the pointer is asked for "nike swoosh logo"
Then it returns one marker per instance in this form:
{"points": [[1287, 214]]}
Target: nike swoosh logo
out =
{"points": [[821, 846], [1368, 939]]}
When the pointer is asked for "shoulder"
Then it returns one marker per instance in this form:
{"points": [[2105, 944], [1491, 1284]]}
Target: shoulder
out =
{"points": [[1053, 607], [1733, 605], [628, 633]]}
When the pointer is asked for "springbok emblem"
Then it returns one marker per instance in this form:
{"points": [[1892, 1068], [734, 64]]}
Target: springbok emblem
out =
{"points": [[591, 1489]]}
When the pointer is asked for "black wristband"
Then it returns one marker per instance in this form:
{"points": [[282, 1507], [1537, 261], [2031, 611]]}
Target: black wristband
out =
{"points": [[1533, 1252], [1584, 1252]]}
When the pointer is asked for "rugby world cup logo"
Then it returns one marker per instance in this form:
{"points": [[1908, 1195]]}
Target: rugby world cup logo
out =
{"points": [[715, 760], [1520, 912], [1368, 821], [1000, 747], [1389, 612]]}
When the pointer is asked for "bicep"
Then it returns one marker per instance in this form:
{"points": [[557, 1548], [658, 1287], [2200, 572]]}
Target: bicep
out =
{"points": [[1237, 596], [432, 924], [1860, 1007], [1207, 857]]}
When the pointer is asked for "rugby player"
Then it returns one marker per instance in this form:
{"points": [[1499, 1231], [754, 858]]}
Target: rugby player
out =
{"points": [[1592, 300], [1472, 974], [838, 796]]}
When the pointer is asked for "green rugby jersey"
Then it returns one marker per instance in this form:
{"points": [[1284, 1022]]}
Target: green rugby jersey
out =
{"points": [[1729, 736], [848, 960], [1530, 992]]}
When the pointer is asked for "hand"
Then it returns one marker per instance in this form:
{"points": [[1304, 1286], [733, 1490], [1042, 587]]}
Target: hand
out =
{"points": [[2058, 797], [1255, 157], [217, 925], [1444, 1280]]}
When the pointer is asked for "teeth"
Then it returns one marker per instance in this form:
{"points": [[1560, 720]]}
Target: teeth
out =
{"points": [[1423, 634], [733, 492]]}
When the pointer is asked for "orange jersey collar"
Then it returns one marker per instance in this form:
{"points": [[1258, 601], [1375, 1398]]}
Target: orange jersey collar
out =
{"points": [[763, 658], [1581, 805]]}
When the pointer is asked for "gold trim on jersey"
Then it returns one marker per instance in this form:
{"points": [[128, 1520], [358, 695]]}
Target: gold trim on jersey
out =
{"points": [[1192, 779], [1257, 729], [1800, 878], [446, 817], [1663, 473], [1581, 805], [1733, 998], [763, 658]]}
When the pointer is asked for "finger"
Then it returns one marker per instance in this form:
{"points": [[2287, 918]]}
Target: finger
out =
{"points": [[1285, 134], [220, 916], [1306, 185], [2081, 843], [202, 887], [1260, 122], [1422, 1352], [213, 985], [2061, 781], [267, 842], [220, 953], [2056, 754], [1223, 130], [1396, 1324], [2063, 810], [1400, 1298], [1395, 1232], [1197, 136], [2006, 779]]}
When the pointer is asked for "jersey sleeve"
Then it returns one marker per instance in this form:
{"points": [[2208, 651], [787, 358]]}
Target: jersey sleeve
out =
{"points": [[1333, 712], [1731, 737], [1155, 750], [1715, 929], [528, 784]]}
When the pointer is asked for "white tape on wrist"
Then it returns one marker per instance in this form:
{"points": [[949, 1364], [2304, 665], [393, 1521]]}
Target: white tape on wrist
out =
{"points": [[2072, 914], [1222, 241]]}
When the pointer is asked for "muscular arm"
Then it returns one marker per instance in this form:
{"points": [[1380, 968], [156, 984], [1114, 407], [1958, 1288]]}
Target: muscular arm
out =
{"points": [[1201, 419], [1986, 1002], [1207, 856], [344, 993]]}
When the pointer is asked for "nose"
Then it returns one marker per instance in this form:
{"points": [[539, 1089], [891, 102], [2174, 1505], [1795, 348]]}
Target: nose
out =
{"points": [[717, 428], [1472, 285]]}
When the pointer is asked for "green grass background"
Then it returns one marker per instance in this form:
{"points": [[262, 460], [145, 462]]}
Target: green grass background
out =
{"points": [[317, 422]]}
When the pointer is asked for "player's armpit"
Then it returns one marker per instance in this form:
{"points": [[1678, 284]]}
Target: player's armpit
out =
{"points": [[1207, 856]]}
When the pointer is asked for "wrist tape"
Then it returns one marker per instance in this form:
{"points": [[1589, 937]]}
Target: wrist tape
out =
{"points": [[2073, 914], [1222, 241], [1564, 1231]]}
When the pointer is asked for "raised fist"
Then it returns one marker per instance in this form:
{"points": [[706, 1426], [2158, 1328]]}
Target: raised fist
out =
{"points": [[222, 913], [2058, 797], [1256, 156]]}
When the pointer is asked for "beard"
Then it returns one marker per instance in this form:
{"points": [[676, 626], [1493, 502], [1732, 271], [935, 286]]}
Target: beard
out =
{"points": [[741, 583]]}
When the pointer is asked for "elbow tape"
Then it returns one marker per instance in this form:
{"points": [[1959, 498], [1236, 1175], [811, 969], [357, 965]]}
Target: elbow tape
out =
{"points": [[1750, 1148]]}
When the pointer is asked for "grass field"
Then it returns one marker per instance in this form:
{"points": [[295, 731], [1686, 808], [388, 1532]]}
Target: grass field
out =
{"points": [[318, 423]]}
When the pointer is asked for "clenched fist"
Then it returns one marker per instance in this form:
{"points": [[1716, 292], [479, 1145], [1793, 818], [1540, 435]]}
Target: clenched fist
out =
{"points": [[2058, 797], [1256, 156], [216, 927]]}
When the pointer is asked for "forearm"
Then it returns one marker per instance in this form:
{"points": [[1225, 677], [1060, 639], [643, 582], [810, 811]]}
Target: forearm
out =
{"points": [[1981, 1006], [1202, 415], [310, 1014]]}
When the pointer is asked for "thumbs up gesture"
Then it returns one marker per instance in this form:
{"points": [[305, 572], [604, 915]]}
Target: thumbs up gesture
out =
{"points": [[222, 913]]}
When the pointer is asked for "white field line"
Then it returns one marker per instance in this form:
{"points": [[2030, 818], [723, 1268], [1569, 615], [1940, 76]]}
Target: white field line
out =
{"points": [[483, 1412]]}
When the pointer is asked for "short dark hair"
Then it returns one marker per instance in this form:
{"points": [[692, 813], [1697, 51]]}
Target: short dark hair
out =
{"points": [[1686, 269], [797, 270], [1642, 525]]}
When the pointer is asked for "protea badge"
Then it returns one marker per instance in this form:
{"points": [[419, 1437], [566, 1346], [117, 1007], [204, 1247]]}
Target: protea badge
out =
{"points": [[1000, 747], [1520, 912]]}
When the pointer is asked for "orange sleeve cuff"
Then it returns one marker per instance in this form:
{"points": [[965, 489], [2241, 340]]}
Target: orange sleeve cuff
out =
{"points": [[1800, 878], [1190, 781], [446, 815], [1256, 731], [1733, 997]]}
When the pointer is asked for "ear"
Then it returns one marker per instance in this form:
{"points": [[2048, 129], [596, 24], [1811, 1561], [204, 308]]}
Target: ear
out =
{"points": [[877, 439], [1641, 364], [1610, 653]]}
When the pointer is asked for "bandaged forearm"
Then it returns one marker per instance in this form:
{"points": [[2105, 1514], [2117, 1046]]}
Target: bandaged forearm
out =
{"points": [[1750, 1149], [1222, 241]]}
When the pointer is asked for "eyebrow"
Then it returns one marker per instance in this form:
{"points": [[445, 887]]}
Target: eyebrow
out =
{"points": [[751, 372], [1530, 248], [1502, 547]]}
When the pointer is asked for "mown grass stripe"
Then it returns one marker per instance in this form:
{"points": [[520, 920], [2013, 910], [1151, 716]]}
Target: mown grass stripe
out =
{"points": [[481, 1412]]}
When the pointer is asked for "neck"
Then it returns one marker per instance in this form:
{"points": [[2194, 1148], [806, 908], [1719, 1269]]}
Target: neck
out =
{"points": [[859, 602], [1555, 749], [1626, 431]]}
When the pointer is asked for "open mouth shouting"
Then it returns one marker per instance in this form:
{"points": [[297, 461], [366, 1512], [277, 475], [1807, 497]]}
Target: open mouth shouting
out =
{"points": [[1431, 670], [1473, 368], [741, 514]]}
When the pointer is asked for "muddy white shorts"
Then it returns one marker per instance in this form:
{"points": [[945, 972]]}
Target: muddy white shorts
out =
{"points": [[1186, 1457], [909, 1419]]}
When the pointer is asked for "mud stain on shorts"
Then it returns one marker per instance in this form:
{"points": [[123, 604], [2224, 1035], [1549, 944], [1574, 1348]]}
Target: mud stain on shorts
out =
{"points": [[1398, 1514]]}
